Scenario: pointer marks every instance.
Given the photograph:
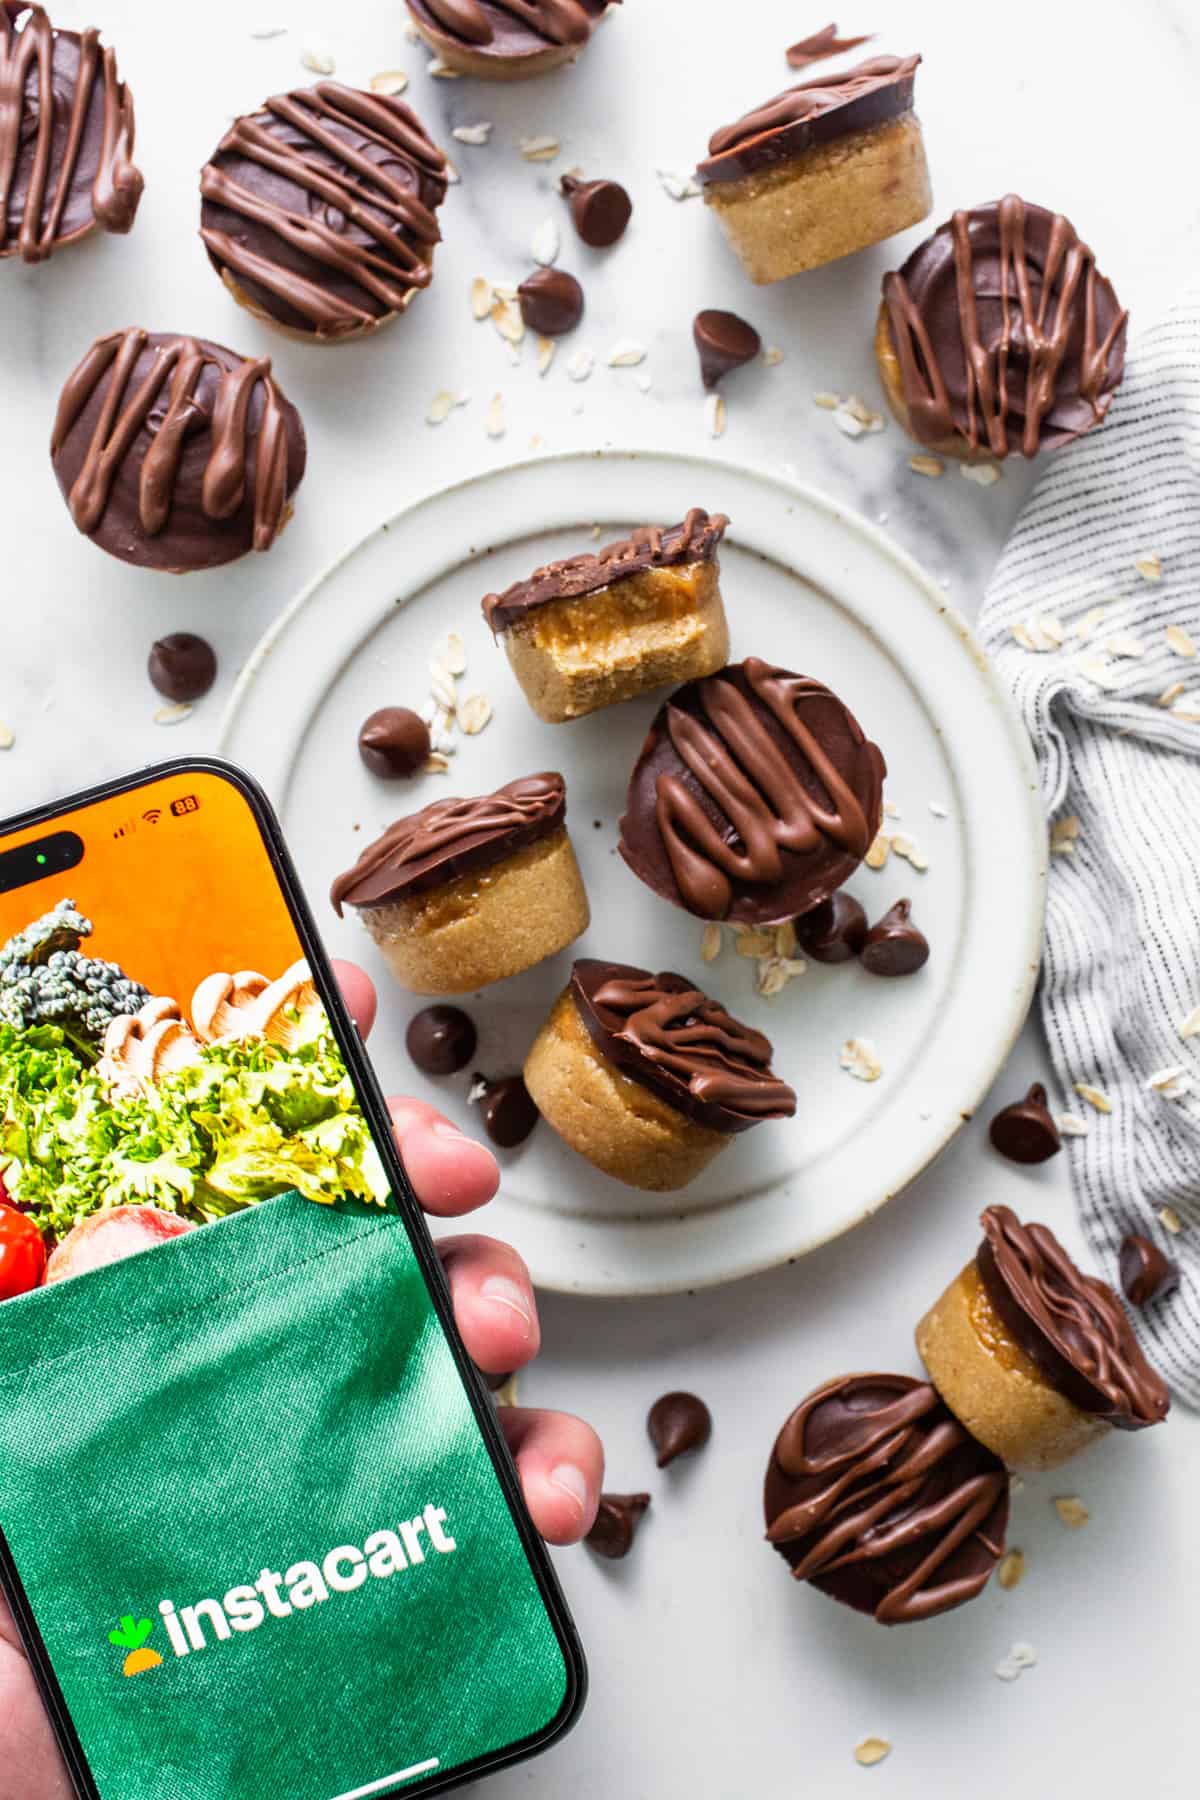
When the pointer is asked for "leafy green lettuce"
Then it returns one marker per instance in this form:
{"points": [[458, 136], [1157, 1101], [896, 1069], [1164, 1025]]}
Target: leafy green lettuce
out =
{"points": [[248, 1120]]}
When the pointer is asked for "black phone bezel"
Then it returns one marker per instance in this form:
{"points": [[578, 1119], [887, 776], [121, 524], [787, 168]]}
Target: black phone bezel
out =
{"points": [[371, 1095]]}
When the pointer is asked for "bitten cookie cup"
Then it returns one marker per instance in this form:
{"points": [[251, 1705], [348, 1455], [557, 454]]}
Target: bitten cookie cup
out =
{"points": [[507, 40], [176, 454], [1000, 335], [879, 1497], [756, 795], [647, 1077], [821, 170], [1037, 1359], [596, 629], [468, 892], [319, 211], [68, 168]]}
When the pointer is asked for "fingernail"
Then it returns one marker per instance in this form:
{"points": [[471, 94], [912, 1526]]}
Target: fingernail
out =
{"points": [[569, 1480], [508, 1293]]}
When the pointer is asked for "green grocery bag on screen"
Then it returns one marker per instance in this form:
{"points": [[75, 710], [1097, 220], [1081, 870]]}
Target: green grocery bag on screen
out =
{"points": [[256, 1525]]}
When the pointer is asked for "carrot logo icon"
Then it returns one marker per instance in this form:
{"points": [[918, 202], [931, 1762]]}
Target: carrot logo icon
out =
{"points": [[131, 1635]]}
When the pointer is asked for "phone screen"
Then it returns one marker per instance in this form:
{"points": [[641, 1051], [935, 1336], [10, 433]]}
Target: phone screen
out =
{"points": [[165, 1040]]}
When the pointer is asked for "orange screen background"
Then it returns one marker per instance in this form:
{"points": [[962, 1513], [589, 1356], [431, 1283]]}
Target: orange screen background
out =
{"points": [[174, 899]]}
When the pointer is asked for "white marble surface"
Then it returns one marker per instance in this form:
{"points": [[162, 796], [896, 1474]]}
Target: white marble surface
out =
{"points": [[711, 1675]]}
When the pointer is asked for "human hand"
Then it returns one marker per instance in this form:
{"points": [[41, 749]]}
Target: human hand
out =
{"points": [[559, 1459]]}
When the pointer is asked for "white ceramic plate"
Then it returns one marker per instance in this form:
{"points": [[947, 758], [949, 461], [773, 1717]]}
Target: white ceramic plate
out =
{"points": [[809, 586]]}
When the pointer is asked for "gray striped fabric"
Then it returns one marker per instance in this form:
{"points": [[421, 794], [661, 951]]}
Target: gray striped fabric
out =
{"points": [[1115, 719]]}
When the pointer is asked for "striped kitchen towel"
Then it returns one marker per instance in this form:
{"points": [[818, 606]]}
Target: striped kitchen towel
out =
{"points": [[1093, 619]]}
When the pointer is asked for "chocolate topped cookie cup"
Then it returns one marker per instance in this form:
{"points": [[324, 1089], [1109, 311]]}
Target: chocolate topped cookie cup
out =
{"points": [[1035, 1357], [821, 170], [319, 211], [756, 795], [878, 1496], [641, 613], [66, 136], [176, 454], [507, 40], [647, 1077], [467, 892], [999, 334]]}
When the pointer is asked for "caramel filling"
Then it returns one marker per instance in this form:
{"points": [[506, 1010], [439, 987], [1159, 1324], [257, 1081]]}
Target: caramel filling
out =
{"points": [[991, 1330], [589, 622], [458, 899]]}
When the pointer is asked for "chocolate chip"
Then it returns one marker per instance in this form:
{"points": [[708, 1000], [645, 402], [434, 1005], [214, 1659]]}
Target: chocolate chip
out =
{"points": [[600, 209], [678, 1424], [507, 1110], [724, 342], [833, 932], [895, 946], [616, 1522], [551, 302], [1025, 1132], [182, 667], [441, 1040], [1145, 1271], [394, 742]]}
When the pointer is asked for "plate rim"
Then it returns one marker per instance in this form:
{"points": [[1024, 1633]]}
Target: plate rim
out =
{"points": [[847, 518]]}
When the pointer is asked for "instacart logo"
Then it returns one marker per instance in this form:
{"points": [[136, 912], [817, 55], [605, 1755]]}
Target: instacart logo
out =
{"points": [[131, 1635], [281, 1593]]}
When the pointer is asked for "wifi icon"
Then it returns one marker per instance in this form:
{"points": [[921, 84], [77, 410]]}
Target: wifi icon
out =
{"points": [[153, 815]]}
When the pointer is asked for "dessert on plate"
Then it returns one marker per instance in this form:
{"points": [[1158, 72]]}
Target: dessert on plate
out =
{"points": [[506, 40], [999, 334], [756, 795], [640, 613], [878, 1496], [319, 211], [67, 165], [1035, 1357], [467, 892], [173, 453], [825, 168], [647, 1077]]}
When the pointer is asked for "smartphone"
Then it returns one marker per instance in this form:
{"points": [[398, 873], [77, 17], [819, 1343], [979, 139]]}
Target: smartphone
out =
{"points": [[176, 886]]}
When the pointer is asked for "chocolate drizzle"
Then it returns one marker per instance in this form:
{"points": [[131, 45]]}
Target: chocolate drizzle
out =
{"points": [[1071, 1325], [322, 205], [756, 795], [450, 838], [878, 1496], [822, 44], [812, 112], [1005, 332], [696, 539], [66, 136], [664, 1033], [176, 453], [510, 27]]}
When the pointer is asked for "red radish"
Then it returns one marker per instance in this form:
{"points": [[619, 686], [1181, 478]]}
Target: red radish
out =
{"points": [[22, 1253], [107, 1237]]}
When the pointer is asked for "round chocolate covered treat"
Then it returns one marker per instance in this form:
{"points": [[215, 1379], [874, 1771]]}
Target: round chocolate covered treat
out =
{"points": [[394, 742], [647, 1077], [66, 136], [173, 453], [1035, 1357], [466, 892], [600, 210], [638, 614], [1000, 334], [822, 169], [506, 40], [319, 210], [878, 1496], [755, 796]]}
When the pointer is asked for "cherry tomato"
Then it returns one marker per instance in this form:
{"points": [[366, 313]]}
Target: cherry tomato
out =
{"points": [[22, 1253]]}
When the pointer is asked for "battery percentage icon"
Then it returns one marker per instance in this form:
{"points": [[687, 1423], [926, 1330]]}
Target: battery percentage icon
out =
{"points": [[187, 803]]}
